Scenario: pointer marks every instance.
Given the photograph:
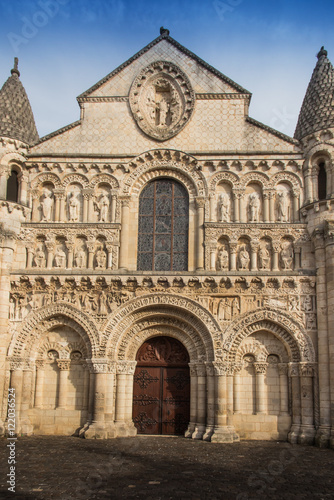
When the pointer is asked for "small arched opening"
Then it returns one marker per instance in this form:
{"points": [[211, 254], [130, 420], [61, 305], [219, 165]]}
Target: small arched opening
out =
{"points": [[13, 187]]}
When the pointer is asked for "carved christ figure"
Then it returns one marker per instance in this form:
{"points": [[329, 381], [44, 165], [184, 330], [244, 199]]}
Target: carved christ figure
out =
{"points": [[46, 205], [73, 205], [224, 207], [254, 207], [103, 207], [243, 257], [282, 206]]}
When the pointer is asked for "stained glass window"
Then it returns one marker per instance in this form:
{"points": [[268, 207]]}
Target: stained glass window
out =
{"points": [[163, 227]]}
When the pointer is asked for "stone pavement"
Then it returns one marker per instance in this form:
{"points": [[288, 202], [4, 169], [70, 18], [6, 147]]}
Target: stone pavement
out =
{"points": [[153, 468]]}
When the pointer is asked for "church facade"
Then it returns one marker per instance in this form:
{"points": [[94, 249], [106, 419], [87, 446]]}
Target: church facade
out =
{"points": [[167, 261]]}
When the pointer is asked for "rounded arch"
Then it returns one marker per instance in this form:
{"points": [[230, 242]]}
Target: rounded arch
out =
{"points": [[296, 341], [42, 178], [288, 177], [182, 310], [255, 178], [232, 179], [105, 179], [8, 158], [26, 340], [75, 178]]}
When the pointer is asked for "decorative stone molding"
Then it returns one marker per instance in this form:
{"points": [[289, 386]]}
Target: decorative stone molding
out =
{"points": [[63, 364], [261, 368], [126, 367]]}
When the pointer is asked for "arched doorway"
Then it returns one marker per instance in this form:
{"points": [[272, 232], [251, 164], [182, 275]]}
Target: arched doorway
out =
{"points": [[161, 395]]}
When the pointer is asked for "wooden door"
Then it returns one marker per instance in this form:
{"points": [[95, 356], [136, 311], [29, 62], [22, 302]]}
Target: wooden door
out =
{"points": [[161, 395]]}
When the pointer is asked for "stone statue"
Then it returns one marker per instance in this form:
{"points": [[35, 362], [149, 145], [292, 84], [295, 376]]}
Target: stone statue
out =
{"points": [[287, 256], [222, 259], [60, 258], [46, 205], [101, 258], [103, 208], [254, 207], [224, 207], [80, 258], [39, 258], [282, 206], [163, 107], [307, 305], [243, 257], [264, 257], [73, 208], [235, 306]]}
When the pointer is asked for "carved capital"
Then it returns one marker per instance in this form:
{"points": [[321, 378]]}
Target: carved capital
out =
{"points": [[35, 194], [220, 368], [282, 368], [306, 369], [125, 201], [17, 364], [59, 193], [293, 369], [63, 364], [126, 367], [210, 371], [40, 363], [200, 202], [260, 368], [88, 193]]}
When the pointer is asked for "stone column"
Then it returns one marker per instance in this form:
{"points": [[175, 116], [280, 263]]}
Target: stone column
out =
{"points": [[212, 208], [243, 208], [62, 205], [323, 433], [16, 378], [113, 206], [253, 256], [266, 217], [86, 196], [123, 256], [295, 207], [229, 401], [308, 184], [30, 250], [233, 256], [131, 429], [91, 211], [283, 388], [236, 206], [39, 384], [110, 400], [123, 418], [314, 182], [4, 174], [109, 247], [213, 251], [59, 194], [276, 249], [26, 426], [50, 247], [261, 389], [85, 398], [297, 258], [64, 367], [35, 205], [272, 207], [210, 402], [200, 205], [236, 388], [90, 247], [193, 400], [306, 372], [296, 411], [201, 402], [222, 433], [23, 185], [70, 248]]}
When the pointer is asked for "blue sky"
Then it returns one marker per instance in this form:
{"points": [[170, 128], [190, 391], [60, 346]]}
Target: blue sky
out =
{"points": [[65, 46]]}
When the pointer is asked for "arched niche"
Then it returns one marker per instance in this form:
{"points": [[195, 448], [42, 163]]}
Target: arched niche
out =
{"points": [[224, 202], [284, 202], [254, 202]]}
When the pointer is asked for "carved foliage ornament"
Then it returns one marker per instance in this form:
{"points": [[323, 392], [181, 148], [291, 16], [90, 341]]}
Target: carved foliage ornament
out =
{"points": [[161, 100]]}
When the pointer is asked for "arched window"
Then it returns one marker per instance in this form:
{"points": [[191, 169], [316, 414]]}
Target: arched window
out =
{"points": [[12, 187], [163, 227], [322, 182]]}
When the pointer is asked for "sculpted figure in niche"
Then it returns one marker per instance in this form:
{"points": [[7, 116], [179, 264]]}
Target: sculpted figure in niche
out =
{"points": [[101, 258], [287, 256], [264, 257], [307, 305], [73, 208], [60, 257], [80, 258], [254, 207], [222, 259], [243, 257], [39, 258], [103, 208], [46, 205], [224, 207], [235, 306], [282, 206]]}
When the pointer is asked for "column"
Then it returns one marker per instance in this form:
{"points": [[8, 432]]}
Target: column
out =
{"points": [[272, 207], [70, 248], [201, 402], [242, 208], [295, 207], [212, 208], [229, 396], [4, 174], [123, 257], [308, 184], [306, 372], [213, 251], [98, 428], [193, 400], [90, 247], [200, 205], [236, 388], [222, 433], [16, 377], [266, 217], [85, 398], [296, 411], [276, 249], [123, 417], [64, 367], [113, 206], [59, 195], [233, 256], [110, 401], [109, 247], [261, 388], [91, 211], [26, 427], [62, 206], [210, 402], [23, 184], [50, 247], [35, 205], [284, 388], [39, 384], [85, 195], [236, 206], [297, 258], [131, 365], [253, 256], [30, 251], [314, 182]]}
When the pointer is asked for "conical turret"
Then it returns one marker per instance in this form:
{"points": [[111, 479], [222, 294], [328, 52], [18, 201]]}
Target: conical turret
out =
{"points": [[16, 117], [317, 111]]}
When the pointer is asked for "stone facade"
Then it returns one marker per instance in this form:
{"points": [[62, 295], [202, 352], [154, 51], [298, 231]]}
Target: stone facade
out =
{"points": [[251, 299]]}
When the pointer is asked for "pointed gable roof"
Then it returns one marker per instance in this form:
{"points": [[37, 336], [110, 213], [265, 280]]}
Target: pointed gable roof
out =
{"points": [[317, 111], [16, 117], [164, 37]]}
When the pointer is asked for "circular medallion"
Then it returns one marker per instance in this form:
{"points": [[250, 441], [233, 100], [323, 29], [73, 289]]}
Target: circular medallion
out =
{"points": [[161, 100]]}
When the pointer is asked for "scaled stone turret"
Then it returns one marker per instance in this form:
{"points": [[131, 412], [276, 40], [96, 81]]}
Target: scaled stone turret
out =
{"points": [[16, 117]]}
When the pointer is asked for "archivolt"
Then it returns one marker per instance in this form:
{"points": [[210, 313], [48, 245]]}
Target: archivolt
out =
{"points": [[26, 340], [48, 177], [229, 177], [280, 324]]}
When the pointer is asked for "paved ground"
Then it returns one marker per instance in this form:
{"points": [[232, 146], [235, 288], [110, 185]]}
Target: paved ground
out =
{"points": [[154, 468]]}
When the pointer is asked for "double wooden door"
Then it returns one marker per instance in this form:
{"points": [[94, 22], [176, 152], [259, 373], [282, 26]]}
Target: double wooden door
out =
{"points": [[161, 395]]}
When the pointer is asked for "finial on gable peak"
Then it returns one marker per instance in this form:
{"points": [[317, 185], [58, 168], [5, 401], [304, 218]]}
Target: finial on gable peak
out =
{"points": [[164, 31], [322, 52], [15, 69]]}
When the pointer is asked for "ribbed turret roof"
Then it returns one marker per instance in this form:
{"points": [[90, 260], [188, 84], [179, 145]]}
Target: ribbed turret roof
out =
{"points": [[16, 117], [317, 111]]}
